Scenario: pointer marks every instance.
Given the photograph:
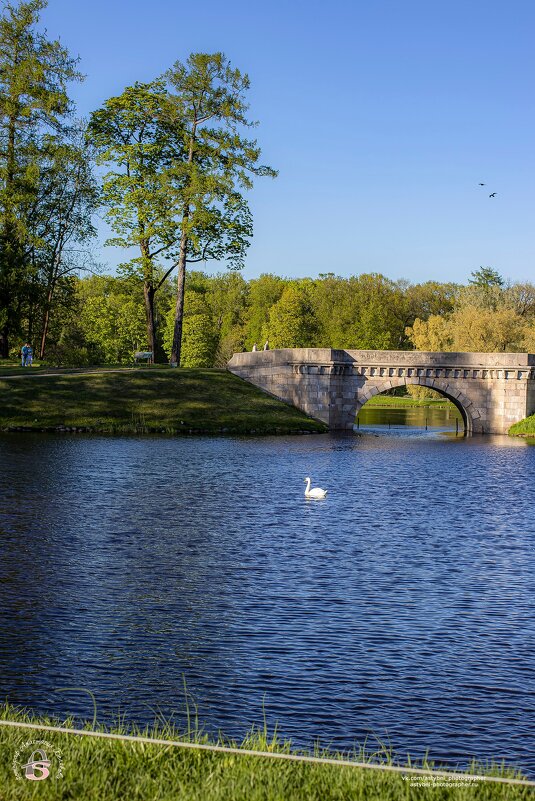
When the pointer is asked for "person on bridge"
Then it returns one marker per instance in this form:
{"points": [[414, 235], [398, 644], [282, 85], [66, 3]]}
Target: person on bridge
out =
{"points": [[255, 347], [266, 345]]}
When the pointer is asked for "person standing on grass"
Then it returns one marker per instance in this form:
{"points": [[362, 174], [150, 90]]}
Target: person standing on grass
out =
{"points": [[29, 357], [24, 353]]}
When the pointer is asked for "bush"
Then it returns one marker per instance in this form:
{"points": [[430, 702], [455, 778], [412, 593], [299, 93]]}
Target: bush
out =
{"points": [[423, 393]]}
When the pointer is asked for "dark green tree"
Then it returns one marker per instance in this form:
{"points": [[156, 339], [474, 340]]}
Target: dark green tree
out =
{"points": [[60, 221], [486, 277], [34, 74]]}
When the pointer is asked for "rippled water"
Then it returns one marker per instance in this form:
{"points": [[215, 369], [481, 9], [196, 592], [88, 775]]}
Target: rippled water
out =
{"points": [[399, 608]]}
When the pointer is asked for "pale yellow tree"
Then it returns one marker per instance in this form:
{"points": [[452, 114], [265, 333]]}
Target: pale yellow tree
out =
{"points": [[487, 330], [471, 328], [529, 338], [432, 334]]}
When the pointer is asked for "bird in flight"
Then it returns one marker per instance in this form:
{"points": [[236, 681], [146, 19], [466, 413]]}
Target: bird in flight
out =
{"points": [[493, 194], [481, 184]]}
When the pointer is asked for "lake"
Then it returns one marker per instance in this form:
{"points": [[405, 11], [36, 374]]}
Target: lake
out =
{"points": [[399, 610]]}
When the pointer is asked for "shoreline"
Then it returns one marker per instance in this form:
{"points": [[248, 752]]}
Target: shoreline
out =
{"points": [[159, 761]]}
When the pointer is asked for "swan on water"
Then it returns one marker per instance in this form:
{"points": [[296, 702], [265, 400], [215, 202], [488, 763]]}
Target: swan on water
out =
{"points": [[317, 492]]}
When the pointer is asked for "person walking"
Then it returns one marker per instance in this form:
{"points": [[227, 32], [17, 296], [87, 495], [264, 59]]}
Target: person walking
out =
{"points": [[24, 353]]}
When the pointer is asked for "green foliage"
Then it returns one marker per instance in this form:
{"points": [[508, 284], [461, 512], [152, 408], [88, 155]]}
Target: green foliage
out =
{"points": [[291, 322], [264, 292], [225, 314], [178, 170], [112, 318], [34, 109], [423, 393], [486, 277], [214, 164], [199, 340], [131, 138]]}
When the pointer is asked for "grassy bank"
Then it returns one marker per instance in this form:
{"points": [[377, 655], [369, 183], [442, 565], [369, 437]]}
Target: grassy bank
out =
{"points": [[144, 401], [406, 402], [110, 770], [525, 428]]}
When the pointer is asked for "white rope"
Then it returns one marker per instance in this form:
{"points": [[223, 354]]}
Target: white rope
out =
{"points": [[223, 749]]}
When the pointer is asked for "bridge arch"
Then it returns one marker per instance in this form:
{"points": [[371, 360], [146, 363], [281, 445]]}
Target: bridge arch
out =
{"points": [[491, 390], [459, 400]]}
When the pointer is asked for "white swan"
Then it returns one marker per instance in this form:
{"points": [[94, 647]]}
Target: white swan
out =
{"points": [[314, 493]]}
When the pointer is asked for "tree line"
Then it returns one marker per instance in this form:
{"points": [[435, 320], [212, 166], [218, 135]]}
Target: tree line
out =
{"points": [[177, 164], [104, 321]]}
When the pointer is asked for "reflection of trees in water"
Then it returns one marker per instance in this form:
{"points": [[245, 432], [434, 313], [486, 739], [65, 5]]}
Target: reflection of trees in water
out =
{"points": [[411, 416]]}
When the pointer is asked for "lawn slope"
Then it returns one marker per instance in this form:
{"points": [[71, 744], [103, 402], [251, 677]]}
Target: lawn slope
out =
{"points": [[525, 428], [170, 401]]}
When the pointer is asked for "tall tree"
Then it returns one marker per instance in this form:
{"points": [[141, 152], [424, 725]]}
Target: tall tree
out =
{"points": [[486, 276], [61, 219], [130, 137], [34, 73], [213, 164]]}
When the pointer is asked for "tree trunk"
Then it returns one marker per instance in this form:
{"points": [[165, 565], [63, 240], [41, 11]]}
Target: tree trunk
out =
{"points": [[46, 321], [148, 295], [182, 256], [179, 308], [4, 343], [8, 237]]}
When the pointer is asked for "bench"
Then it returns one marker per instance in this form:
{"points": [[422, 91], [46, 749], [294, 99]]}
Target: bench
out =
{"points": [[143, 355]]}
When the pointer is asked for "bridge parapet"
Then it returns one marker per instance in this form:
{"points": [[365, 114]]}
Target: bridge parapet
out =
{"points": [[492, 390]]}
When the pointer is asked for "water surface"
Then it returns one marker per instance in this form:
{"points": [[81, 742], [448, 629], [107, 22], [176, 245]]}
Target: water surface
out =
{"points": [[401, 608]]}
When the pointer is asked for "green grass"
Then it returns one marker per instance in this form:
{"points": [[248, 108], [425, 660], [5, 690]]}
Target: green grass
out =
{"points": [[145, 401], [9, 367], [525, 428], [406, 402], [106, 770]]}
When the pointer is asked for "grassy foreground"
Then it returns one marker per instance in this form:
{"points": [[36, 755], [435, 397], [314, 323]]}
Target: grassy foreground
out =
{"points": [[141, 400], [525, 428], [110, 770]]}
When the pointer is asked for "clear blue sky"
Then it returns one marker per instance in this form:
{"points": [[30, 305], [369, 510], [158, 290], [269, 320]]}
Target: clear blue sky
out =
{"points": [[381, 115]]}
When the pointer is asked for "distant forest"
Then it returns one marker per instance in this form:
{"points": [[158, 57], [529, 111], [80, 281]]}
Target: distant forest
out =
{"points": [[100, 319]]}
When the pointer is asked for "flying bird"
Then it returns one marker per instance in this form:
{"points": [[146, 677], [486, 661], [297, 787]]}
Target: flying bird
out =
{"points": [[493, 194], [482, 184]]}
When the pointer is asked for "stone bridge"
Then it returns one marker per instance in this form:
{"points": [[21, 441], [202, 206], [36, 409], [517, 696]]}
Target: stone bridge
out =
{"points": [[491, 390]]}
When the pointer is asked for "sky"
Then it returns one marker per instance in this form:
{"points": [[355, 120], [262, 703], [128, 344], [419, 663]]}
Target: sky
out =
{"points": [[381, 116]]}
